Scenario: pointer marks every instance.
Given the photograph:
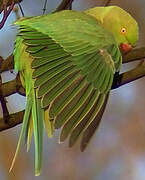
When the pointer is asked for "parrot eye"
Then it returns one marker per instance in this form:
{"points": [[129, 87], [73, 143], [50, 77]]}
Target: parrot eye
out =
{"points": [[123, 31]]}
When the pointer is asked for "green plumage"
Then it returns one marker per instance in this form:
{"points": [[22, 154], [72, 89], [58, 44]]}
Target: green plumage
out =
{"points": [[67, 61]]}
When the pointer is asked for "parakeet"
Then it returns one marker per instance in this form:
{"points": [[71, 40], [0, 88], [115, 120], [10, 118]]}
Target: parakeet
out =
{"points": [[67, 62]]}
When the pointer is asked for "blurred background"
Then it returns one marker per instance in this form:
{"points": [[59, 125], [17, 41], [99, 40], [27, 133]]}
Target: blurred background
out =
{"points": [[117, 151]]}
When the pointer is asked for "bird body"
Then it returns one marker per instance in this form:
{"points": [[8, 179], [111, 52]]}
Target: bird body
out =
{"points": [[67, 62]]}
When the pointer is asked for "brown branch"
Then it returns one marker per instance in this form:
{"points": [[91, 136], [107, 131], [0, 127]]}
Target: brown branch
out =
{"points": [[6, 3], [135, 54], [7, 64], [6, 14], [106, 2], [12, 87], [6, 6], [3, 100], [14, 120], [65, 4]]}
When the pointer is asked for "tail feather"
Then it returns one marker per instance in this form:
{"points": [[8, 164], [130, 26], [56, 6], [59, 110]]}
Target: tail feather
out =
{"points": [[33, 122], [38, 116], [24, 127], [29, 133], [48, 126]]}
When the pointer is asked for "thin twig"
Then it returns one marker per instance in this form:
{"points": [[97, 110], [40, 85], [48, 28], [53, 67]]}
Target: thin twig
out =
{"points": [[6, 6], [44, 8], [7, 3], [106, 2], [6, 14], [21, 9], [65, 4]]}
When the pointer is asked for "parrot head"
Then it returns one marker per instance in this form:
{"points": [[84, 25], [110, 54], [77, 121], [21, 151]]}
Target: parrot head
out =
{"points": [[120, 23]]}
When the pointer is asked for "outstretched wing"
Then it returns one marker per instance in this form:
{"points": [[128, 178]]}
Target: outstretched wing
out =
{"points": [[74, 63]]}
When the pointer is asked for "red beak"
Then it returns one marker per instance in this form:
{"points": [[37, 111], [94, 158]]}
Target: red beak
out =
{"points": [[125, 47]]}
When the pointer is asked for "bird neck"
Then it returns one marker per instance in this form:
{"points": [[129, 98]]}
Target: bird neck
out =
{"points": [[99, 12]]}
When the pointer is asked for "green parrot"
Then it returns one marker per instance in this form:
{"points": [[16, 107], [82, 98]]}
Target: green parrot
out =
{"points": [[67, 61]]}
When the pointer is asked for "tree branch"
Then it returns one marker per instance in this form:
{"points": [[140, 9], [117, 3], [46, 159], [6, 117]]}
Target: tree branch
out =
{"points": [[14, 120], [65, 4], [12, 87], [3, 100], [6, 6], [106, 2], [135, 54], [7, 64], [6, 3], [129, 76]]}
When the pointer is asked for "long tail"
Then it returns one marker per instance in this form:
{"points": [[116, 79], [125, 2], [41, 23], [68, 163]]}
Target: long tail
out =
{"points": [[34, 120], [38, 117], [24, 127], [35, 117], [48, 126]]}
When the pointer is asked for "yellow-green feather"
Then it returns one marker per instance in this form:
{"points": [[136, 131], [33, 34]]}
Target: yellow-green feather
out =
{"points": [[34, 116]]}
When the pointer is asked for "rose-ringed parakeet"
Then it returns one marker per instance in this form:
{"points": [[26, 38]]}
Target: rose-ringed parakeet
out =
{"points": [[67, 62]]}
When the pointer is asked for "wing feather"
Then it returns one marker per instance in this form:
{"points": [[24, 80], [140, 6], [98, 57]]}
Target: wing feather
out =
{"points": [[90, 130], [73, 69], [73, 106], [85, 122]]}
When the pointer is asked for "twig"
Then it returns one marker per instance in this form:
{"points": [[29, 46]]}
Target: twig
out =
{"points": [[7, 64], [14, 120], [129, 76], [135, 54], [65, 4], [6, 6], [8, 3], [44, 8], [21, 9], [12, 87], [6, 14], [3, 101], [106, 2]]}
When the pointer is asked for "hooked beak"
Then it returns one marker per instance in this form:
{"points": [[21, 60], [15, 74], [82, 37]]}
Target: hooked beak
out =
{"points": [[125, 48]]}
